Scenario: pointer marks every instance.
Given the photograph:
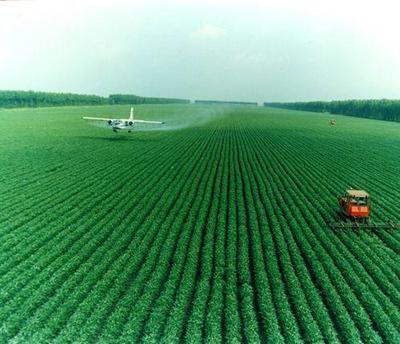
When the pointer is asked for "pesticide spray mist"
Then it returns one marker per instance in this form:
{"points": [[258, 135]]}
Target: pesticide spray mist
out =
{"points": [[192, 117]]}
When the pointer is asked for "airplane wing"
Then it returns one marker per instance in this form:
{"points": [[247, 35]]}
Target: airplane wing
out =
{"points": [[147, 122], [97, 119]]}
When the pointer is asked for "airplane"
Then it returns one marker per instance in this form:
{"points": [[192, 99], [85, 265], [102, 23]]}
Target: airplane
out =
{"points": [[122, 124]]}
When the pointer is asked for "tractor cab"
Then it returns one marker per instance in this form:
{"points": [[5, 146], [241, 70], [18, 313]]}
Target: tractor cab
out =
{"points": [[355, 204]]}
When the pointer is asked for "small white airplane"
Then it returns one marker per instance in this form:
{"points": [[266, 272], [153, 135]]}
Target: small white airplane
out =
{"points": [[122, 124]]}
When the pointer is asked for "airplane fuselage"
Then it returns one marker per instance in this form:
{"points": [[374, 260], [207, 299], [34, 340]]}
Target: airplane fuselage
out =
{"points": [[121, 124]]}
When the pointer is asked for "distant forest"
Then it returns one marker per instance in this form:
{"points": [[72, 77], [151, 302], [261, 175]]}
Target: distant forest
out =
{"points": [[383, 109], [14, 99], [133, 99], [224, 102]]}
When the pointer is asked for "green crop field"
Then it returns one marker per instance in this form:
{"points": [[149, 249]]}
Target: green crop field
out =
{"points": [[212, 229]]}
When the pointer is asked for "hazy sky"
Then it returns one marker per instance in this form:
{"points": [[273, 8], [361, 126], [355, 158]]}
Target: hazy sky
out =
{"points": [[231, 50]]}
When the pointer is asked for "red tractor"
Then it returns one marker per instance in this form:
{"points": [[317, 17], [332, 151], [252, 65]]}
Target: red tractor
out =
{"points": [[355, 205], [355, 209]]}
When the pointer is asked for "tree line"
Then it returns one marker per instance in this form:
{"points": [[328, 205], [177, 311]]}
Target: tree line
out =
{"points": [[383, 109], [134, 99], [224, 102], [14, 99]]}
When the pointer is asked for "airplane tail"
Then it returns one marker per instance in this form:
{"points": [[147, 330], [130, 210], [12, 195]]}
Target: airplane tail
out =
{"points": [[131, 115]]}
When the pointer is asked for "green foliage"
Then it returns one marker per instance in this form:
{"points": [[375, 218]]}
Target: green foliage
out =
{"points": [[214, 233], [15, 99], [133, 99], [383, 109], [224, 102]]}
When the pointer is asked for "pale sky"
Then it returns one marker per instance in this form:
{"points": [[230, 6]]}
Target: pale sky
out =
{"points": [[229, 50]]}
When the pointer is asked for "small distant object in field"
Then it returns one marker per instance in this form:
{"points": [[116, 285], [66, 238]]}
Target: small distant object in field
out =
{"points": [[332, 122]]}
